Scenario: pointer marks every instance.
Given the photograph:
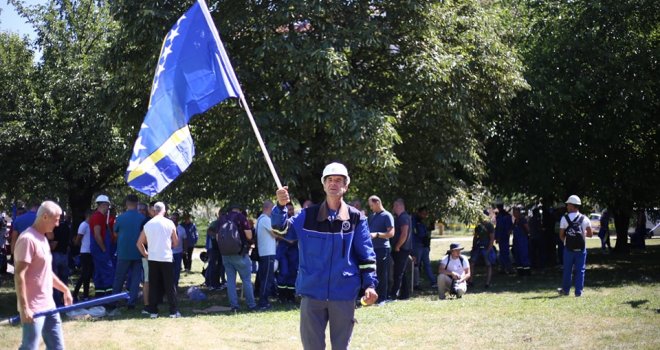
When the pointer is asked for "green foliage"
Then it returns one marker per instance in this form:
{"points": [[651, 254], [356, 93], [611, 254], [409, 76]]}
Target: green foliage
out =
{"points": [[369, 84], [589, 124], [71, 147]]}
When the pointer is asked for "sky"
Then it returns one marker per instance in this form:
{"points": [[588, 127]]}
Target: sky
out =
{"points": [[12, 22]]}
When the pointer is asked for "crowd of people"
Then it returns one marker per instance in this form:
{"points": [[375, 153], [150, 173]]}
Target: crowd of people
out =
{"points": [[329, 257]]}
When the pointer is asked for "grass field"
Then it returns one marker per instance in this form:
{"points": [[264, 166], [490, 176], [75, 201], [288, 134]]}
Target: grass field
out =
{"points": [[620, 308]]}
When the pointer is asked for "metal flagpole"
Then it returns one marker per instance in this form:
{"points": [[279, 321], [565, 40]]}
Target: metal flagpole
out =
{"points": [[94, 302], [261, 142], [230, 71]]}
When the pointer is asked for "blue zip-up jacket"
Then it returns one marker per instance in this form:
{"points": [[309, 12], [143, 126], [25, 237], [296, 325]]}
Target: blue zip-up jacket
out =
{"points": [[336, 257]]}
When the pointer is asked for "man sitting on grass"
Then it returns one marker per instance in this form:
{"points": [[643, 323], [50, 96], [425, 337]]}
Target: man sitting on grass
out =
{"points": [[453, 272]]}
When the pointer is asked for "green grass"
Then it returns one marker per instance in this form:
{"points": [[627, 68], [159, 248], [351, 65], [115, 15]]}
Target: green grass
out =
{"points": [[620, 308]]}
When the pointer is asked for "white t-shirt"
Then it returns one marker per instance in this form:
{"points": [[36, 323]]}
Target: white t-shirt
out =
{"points": [[455, 264], [563, 224], [266, 243], [159, 238], [83, 230]]}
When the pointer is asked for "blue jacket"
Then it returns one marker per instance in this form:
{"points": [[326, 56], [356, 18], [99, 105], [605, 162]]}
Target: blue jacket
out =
{"points": [[336, 257]]}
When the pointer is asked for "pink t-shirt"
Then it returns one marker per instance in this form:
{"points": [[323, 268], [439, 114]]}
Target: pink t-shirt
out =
{"points": [[32, 248]]}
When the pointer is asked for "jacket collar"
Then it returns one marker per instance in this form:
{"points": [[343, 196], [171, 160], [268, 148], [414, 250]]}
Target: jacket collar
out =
{"points": [[342, 213]]}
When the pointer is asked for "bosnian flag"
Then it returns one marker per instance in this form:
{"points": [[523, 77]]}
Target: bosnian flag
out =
{"points": [[193, 75]]}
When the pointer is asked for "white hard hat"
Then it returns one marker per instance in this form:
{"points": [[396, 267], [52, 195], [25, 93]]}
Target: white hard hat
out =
{"points": [[336, 169], [102, 199], [575, 200]]}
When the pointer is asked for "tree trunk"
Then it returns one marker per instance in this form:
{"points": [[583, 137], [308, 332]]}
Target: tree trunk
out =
{"points": [[621, 216], [79, 201]]}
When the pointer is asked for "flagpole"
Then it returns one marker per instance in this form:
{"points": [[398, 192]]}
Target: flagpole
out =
{"points": [[214, 30], [261, 143]]}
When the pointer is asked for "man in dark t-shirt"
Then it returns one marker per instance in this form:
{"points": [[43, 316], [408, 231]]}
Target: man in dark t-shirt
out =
{"points": [[59, 247]]}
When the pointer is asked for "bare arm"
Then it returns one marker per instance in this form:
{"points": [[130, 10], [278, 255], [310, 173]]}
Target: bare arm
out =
{"points": [[589, 232], [562, 234], [59, 285], [402, 238], [14, 237], [98, 238], [248, 234], [466, 274], [141, 243], [175, 238], [21, 296]]}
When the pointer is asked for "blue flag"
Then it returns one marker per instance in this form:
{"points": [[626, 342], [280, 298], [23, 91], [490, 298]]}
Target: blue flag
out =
{"points": [[193, 75]]}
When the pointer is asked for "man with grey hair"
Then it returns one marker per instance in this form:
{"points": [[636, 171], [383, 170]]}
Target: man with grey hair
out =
{"points": [[160, 235], [35, 280]]}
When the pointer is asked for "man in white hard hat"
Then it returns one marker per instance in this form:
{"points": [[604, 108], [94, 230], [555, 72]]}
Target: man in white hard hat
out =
{"points": [[336, 260], [104, 270], [573, 228]]}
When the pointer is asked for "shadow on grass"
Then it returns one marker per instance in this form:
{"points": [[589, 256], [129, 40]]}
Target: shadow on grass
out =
{"points": [[603, 271]]}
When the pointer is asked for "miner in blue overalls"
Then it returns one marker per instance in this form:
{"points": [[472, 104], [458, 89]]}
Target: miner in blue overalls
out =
{"points": [[521, 242], [503, 227], [101, 247], [287, 261]]}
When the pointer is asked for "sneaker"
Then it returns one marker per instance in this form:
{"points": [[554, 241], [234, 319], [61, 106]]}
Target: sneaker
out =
{"points": [[153, 315], [145, 312], [176, 315], [561, 292]]}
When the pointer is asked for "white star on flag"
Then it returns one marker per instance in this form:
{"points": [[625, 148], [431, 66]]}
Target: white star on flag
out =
{"points": [[138, 146]]}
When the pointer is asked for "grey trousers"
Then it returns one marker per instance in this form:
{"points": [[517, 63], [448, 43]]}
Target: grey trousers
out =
{"points": [[314, 317]]}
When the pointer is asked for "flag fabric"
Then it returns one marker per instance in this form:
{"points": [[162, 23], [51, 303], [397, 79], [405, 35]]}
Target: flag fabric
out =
{"points": [[193, 74]]}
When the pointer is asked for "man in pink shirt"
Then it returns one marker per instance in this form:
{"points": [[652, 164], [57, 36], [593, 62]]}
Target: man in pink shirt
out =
{"points": [[35, 280]]}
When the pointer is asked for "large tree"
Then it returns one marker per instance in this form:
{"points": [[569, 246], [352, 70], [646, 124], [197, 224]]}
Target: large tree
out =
{"points": [[326, 81], [70, 146], [589, 124]]}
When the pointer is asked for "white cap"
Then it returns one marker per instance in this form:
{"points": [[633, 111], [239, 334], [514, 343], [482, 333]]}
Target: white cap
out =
{"points": [[575, 200], [336, 169], [102, 199]]}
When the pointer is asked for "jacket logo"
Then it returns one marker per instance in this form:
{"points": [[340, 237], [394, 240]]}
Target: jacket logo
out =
{"points": [[345, 226]]}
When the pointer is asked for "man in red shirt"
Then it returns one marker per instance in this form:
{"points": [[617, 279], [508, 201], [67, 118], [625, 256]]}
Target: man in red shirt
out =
{"points": [[100, 244]]}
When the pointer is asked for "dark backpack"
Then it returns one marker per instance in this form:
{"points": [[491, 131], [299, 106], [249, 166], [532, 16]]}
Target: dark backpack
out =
{"points": [[574, 237], [230, 239], [449, 259]]}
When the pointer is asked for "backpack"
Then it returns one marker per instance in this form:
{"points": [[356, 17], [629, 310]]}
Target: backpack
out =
{"points": [[230, 239], [449, 259], [482, 235], [574, 237]]}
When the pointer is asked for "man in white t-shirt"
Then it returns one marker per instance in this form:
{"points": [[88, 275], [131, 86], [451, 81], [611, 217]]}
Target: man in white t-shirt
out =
{"points": [[266, 246], [86, 262], [453, 272], [160, 235], [573, 230]]}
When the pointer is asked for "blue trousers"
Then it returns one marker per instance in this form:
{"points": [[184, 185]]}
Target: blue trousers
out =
{"points": [[383, 265], [422, 258], [505, 259], [243, 265], [177, 259], [48, 327], [575, 264], [61, 270], [266, 276], [129, 271], [521, 250]]}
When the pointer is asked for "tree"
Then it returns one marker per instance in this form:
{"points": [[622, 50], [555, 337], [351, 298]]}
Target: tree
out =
{"points": [[328, 81], [589, 124], [75, 149], [16, 101]]}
